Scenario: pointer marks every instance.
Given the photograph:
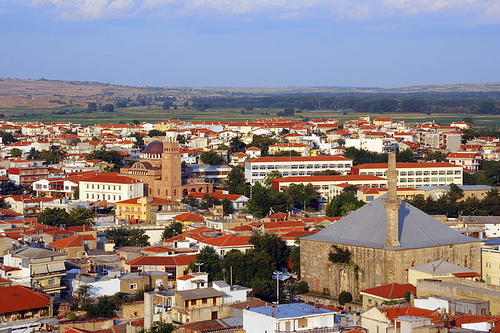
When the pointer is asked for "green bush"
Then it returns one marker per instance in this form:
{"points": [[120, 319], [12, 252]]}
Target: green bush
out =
{"points": [[302, 287], [345, 297]]}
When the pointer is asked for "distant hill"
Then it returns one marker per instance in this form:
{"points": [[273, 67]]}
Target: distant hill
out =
{"points": [[44, 93]]}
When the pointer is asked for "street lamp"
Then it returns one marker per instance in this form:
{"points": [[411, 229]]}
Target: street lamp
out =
{"points": [[277, 274], [199, 264]]}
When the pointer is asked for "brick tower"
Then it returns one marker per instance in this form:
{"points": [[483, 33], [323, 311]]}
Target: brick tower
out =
{"points": [[171, 169]]}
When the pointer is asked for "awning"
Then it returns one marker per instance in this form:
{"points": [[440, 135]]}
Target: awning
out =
{"points": [[56, 267], [40, 269]]}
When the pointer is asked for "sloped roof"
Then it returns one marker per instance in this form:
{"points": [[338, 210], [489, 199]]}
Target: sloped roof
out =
{"points": [[75, 241], [19, 298], [391, 291], [181, 260], [441, 267], [367, 227]]}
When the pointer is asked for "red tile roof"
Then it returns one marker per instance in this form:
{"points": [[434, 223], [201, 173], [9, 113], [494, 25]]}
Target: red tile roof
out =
{"points": [[308, 179], [111, 178], [181, 260], [298, 159], [402, 165], [75, 241], [190, 217], [393, 313], [19, 298], [228, 241], [391, 291]]}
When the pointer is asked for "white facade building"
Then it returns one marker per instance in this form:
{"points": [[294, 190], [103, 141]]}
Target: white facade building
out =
{"points": [[110, 187], [256, 169], [416, 175], [294, 317]]}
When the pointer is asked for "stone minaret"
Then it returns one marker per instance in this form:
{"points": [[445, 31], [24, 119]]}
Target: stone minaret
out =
{"points": [[392, 203]]}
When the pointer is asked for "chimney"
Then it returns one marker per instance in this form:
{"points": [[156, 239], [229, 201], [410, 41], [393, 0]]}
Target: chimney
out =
{"points": [[392, 203]]}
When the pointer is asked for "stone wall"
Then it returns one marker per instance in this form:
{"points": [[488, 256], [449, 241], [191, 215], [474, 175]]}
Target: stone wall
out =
{"points": [[376, 266]]}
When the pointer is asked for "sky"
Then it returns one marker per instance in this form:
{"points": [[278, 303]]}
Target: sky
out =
{"points": [[252, 43]]}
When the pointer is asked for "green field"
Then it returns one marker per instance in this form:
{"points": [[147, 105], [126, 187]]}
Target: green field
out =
{"points": [[156, 113]]}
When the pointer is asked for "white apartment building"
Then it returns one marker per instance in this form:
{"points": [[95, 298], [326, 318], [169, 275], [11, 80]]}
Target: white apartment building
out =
{"points": [[326, 185], [256, 169], [110, 187], [416, 174]]}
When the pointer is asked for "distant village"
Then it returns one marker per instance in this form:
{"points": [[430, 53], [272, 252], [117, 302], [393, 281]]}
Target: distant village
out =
{"points": [[273, 225]]}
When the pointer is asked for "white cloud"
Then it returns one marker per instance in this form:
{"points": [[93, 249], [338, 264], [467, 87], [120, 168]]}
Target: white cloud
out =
{"points": [[473, 10]]}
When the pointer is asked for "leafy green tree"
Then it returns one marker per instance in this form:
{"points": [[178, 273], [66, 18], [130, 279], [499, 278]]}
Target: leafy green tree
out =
{"points": [[81, 297], [211, 263], [16, 152], [211, 157], [92, 107], [103, 308], [345, 297], [413, 106], [53, 156], [236, 145], [7, 137], [247, 267], [266, 200], [76, 193], [139, 140], [155, 132], [235, 182], [109, 156], [227, 207], [161, 327], [262, 142], [405, 156], [34, 155], [338, 255], [303, 196], [175, 228], [437, 156], [181, 139], [80, 216], [302, 287], [53, 216], [208, 201], [273, 245], [190, 200], [343, 203], [295, 259], [127, 236], [275, 174], [108, 107]]}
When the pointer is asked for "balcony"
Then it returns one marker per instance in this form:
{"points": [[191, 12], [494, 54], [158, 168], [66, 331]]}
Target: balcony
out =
{"points": [[334, 329]]}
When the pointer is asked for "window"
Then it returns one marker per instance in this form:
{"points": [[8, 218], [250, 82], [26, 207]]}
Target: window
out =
{"points": [[369, 198], [204, 300], [133, 286], [193, 302]]}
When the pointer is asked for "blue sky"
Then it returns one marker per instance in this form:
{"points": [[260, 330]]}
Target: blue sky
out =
{"points": [[382, 43]]}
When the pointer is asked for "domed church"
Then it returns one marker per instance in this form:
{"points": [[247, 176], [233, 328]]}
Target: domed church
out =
{"points": [[384, 238], [160, 168]]}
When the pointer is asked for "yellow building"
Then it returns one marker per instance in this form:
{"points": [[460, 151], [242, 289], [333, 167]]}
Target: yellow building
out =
{"points": [[440, 269], [302, 149], [490, 271], [143, 208]]}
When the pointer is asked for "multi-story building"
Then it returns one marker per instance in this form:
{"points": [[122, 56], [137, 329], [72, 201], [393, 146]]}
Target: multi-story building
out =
{"points": [[490, 271], [28, 175], [256, 169], [326, 185], [469, 161], [300, 148], [416, 174], [111, 187], [40, 269]]}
